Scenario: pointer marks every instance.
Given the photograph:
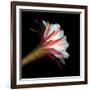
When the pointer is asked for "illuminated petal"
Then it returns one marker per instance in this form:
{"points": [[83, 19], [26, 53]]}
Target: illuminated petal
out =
{"points": [[62, 44], [44, 22], [53, 27], [46, 30], [59, 35]]}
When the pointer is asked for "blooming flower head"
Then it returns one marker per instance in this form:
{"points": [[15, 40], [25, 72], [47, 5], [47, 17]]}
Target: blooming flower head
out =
{"points": [[55, 41]]}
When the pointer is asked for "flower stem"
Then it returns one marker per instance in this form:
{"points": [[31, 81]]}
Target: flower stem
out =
{"points": [[34, 55]]}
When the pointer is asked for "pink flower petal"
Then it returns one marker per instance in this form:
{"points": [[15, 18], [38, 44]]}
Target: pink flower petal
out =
{"points": [[53, 42], [46, 30]]}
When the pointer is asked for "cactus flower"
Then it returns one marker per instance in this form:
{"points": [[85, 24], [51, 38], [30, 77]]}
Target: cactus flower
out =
{"points": [[53, 43]]}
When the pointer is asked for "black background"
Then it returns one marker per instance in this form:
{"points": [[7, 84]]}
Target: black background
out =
{"points": [[45, 66]]}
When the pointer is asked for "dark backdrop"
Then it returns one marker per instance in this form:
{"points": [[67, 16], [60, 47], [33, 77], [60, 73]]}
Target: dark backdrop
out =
{"points": [[46, 67]]}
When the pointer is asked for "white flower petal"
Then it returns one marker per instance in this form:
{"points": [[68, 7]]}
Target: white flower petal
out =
{"points": [[53, 27], [44, 22], [60, 57], [56, 55], [50, 30], [65, 54], [57, 36], [62, 45]]}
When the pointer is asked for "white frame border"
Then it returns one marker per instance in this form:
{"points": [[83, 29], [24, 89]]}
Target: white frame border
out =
{"points": [[54, 79]]}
